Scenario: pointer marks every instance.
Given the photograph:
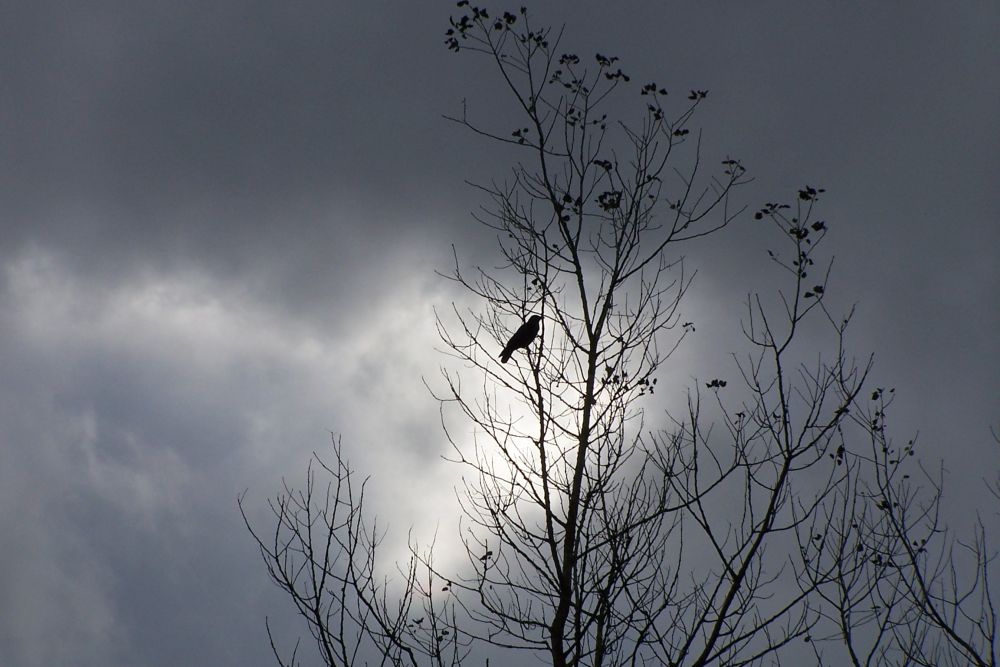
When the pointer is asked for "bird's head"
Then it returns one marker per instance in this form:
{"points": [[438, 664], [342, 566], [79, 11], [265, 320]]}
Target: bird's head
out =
{"points": [[534, 318]]}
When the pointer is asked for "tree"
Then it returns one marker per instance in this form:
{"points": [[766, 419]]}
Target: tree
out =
{"points": [[750, 527], [323, 554]]}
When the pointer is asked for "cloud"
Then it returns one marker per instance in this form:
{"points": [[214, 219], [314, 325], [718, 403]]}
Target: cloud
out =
{"points": [[220, 225], [138, 414]]}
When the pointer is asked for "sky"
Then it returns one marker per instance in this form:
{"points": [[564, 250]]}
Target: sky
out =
{"points": [[221, 223]]}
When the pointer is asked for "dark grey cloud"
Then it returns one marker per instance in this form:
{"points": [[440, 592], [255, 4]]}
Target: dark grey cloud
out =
{"points": [[247, 139], [220, 224]]}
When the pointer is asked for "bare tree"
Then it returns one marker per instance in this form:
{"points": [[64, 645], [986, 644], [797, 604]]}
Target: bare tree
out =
{"points": [[771, 519], [907, 591], [322, 553], [706, 543]]}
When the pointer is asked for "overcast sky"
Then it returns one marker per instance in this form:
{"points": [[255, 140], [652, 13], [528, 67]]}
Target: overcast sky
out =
{"points": [[221, 222]]}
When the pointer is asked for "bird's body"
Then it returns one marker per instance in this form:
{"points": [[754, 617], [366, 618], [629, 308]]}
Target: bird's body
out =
{"points": [[522, 337]]}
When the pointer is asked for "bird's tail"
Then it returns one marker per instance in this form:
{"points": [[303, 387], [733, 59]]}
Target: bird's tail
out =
{"points": [[505, 356]]}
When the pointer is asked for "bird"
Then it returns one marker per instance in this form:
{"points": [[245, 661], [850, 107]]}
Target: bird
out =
{"points": [[522, 337]]}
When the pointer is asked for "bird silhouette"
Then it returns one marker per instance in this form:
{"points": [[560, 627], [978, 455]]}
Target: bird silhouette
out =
{"points": [[522, 337]]}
